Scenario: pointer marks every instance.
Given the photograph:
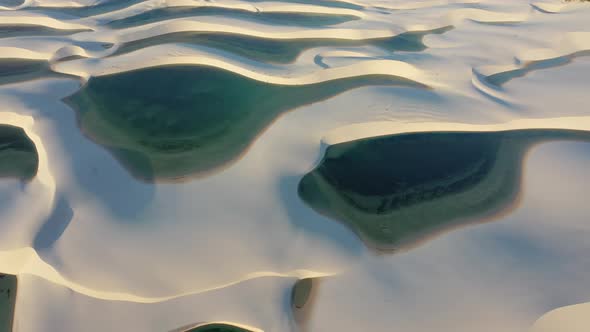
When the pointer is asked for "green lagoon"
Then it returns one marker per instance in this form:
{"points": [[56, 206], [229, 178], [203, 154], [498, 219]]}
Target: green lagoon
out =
{"points": [[276, 18], [301, 293], [86, 11], [276, 50], [18, 70], [18, 155], [325, 3], [34, 30], [171, 122], [395, 191]]}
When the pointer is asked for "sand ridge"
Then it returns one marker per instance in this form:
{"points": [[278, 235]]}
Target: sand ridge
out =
{"points": [[163, 246]]}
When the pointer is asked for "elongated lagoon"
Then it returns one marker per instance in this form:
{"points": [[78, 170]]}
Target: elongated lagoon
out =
{"points": [[278, 50], [276, 18], [175, 121], [395, 191]]}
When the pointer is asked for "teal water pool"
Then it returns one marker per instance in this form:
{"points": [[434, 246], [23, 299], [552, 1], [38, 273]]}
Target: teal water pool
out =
{"points": [[395, 191]]}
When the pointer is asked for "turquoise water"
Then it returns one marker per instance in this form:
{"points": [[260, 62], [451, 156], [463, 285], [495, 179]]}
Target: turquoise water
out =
{"points": [[101, 8], [33, 30], [275, 50], [174, 121], [289, 19], [18, 155], [11, 3], [301, 292], [396, 190]]}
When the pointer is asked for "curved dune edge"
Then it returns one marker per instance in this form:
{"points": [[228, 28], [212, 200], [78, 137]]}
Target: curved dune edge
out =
{"points": [[556, 7], [266, 7], [484, 16], [574, 318], [383, 128], [190, 56], [27, 261], [572, 45], [251, 29], [29, 217], [426, 4], [7, 52], [262, 31], [69, 52], [37, 19], [198, 325]]}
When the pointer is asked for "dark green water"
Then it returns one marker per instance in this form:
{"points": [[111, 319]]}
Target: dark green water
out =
{"points": [[18, 155], [394, 191], [278, 51], [11, 3], [18, 70], [218, 328], [21, 70], [33, 30], [325, 3], [101, 8], [175, 121], [289, 19], [8, 285], [301, 292]]}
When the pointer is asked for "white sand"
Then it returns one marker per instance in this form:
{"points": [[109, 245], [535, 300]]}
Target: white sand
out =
{"points": [[228, 247], [572, 318]]}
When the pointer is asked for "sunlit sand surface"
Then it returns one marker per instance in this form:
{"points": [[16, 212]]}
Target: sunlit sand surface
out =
{"points": [[269, 18], [572, 318], [296, 165]]}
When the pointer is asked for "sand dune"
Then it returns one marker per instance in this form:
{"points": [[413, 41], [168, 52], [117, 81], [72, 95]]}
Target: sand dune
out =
{"points": [[229, 246], [21, 218], [25, 261], [364, 130], [146, 6]]}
